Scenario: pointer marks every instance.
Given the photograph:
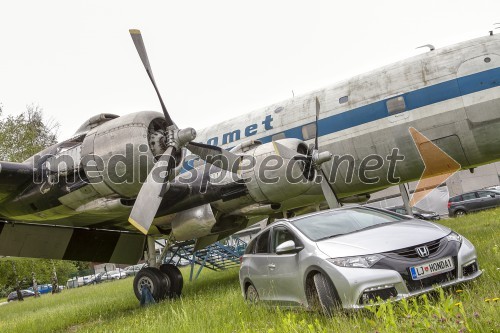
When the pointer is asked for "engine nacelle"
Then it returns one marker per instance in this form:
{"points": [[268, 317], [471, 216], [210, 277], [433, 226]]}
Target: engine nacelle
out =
{"points": [[190, 223], [119, 154], [276, 178]]}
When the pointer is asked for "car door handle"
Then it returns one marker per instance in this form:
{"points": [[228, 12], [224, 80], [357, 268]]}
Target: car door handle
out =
{"points": [[271, 266]]}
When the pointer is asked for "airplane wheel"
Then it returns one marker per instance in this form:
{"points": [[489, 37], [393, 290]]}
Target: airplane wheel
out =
{"points": [[175, 277], [157, 283]]}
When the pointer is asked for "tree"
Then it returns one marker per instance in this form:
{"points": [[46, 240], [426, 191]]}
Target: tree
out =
{"points": [[23, 135], [25, 268]]}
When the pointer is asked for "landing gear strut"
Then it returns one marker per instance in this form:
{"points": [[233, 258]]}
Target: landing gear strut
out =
{"points": [[163, 282]]}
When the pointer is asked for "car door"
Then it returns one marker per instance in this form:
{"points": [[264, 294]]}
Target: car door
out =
{"points": [[471, 202], [258, 270], [285, 280], [488, 199]]}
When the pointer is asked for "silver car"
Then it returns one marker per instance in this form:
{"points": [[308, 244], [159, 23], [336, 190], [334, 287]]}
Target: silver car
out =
{"points": [[352, 257]]}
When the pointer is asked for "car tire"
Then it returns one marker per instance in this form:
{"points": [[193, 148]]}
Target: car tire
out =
{"points": [[157, 282], [251, 294], [460, 213], [326, 295], [176, 280]]}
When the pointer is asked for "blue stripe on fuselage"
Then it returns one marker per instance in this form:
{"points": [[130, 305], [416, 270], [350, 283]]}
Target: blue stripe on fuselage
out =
{"points": [[414, 99]]}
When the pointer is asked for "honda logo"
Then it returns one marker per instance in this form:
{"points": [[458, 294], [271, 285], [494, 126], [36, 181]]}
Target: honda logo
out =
{"points": [[422, 251]]}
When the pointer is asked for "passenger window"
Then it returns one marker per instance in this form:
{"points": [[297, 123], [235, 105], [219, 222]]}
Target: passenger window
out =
{"points": [[343, 99], [309, 131], [262, 243], [484, 194], [396, 105], [281, 235], [278, 136], [469, 196]]}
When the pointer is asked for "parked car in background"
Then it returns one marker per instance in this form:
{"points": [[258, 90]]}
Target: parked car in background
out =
{"points": [[495, 188], [176, 261], [351, 257], [132, 270], [26, 293], [42, 288], [474, 201], [419, 213], [112, 275]]}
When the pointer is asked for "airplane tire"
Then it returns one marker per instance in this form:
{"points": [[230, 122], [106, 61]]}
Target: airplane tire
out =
{"points": [[176, 280], [157, 282]]}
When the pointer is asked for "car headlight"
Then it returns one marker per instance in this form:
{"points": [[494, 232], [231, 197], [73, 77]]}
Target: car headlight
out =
{"points": [[453, 236], [360, 262]]}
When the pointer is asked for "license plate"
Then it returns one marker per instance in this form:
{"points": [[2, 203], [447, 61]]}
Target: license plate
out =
{"points": [[432, 268]]}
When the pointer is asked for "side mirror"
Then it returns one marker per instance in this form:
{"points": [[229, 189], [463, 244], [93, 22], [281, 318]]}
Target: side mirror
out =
{"points": [[492, 195], [288, 247]]}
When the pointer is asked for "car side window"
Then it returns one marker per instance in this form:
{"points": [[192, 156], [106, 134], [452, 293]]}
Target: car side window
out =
{"points": [[485, 194], [469, 196], [262, 245], [281, 235]]}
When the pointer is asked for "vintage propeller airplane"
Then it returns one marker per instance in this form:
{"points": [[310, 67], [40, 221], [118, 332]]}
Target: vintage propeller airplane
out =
{"points": [[119, 183]]}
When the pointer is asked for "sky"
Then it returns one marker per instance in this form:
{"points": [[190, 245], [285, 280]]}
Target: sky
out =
{"points": [[212, 60]]}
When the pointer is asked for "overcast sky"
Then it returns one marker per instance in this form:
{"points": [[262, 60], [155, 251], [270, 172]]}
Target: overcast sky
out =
{"points": [[212, 60]]}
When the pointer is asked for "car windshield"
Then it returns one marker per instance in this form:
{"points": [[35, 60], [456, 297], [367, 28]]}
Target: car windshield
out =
{"points": [[340, 222]]}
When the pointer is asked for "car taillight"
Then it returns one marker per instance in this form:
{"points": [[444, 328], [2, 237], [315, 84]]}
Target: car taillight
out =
{"points": [[449, 204], [241, 259]]}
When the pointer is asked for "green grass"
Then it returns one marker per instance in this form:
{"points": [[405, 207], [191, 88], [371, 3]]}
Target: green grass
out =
{"points": [[214, 303]]}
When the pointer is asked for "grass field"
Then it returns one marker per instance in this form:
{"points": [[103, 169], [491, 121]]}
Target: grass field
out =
{"points": [[214, 303]]}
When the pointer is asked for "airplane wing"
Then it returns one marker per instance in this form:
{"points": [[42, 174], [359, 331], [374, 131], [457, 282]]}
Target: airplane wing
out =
{"points": [[82, 244], [12, 176]]}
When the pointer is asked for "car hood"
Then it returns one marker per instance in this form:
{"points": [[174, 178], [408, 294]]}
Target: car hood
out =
{"points": [[383, 239]]}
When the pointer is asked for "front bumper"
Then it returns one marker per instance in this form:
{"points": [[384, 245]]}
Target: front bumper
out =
{"points": [[390, 278]]}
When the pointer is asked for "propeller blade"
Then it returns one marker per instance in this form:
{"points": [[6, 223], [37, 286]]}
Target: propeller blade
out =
{"points": [[151, 194], [141, 49], [328, 192], [213, 154], [287, 153], [318, 107]]}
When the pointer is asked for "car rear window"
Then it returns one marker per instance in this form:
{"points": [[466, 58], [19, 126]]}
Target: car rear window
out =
{"points": [[456, 198], [340, 222]]}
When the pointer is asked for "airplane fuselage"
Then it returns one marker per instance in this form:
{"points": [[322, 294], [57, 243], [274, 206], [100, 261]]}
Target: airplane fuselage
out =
{"points": [[451, 95]]}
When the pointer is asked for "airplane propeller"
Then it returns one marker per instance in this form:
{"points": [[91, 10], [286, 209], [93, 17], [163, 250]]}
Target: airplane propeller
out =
{"points": [[315, 158], [318, 159], [152, 191]]}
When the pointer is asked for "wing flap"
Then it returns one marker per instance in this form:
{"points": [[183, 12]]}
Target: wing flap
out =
{"points": [[51, 242]]}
